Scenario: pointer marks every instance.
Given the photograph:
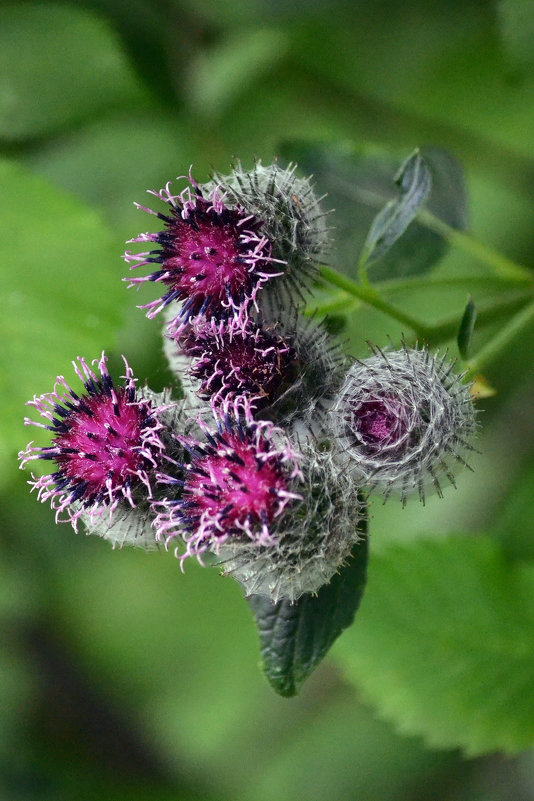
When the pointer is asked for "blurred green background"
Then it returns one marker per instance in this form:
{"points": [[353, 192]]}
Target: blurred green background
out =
{"points": [[121, 678]]}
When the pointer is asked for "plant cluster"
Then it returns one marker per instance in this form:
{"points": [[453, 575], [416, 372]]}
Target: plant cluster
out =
{"points": [[264, 466]]}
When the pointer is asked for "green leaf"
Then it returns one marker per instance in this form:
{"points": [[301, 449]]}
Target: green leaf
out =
{"points": [[467, 326], [62, 293], [444, 644], [81, 69], [414, 181], [358, 181], [295, 637]]}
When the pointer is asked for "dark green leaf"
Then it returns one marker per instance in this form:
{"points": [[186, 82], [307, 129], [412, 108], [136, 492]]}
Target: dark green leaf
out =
{"points": [[295, 637], [444, 644], [359, 182], [467, 325], [414, 181]]}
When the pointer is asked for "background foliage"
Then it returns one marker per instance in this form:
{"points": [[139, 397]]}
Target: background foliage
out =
{"points": [[122, 678]]}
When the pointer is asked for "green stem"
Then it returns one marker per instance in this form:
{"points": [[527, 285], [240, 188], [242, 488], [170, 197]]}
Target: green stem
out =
{"points": [[369, 295], [431, 334], [503, 266], [339, 302], [452, 282], [500, 341]]}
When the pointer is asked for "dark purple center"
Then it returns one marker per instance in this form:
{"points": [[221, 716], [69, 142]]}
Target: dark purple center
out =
{"points": [[253, 362], [100, 445], [236, 485], [376, 423], [211, 258], [376, 420]]}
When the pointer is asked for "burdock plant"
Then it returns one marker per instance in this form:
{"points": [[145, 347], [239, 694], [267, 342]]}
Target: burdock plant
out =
{"points": [[266, 468]]}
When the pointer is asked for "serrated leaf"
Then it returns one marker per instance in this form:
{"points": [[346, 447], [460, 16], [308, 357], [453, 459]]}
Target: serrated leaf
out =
{"points": [[467, 326], [81, 69], [63, 296], [444, 644], [358, 181], [414, 181], [294, 638]]}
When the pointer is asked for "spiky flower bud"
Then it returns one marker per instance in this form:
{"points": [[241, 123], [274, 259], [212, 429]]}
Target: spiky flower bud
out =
{"points": [[404, 420], [211, 257], [106, 445], [227, 360], [293, 219], [236, 484], [285, 370], [279, 520], [313, 537]]}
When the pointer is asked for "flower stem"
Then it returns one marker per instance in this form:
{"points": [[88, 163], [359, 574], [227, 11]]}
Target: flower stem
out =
{"points": [[339, 302], [500, 264], [416, 283], [433, 335], [372, 297]]}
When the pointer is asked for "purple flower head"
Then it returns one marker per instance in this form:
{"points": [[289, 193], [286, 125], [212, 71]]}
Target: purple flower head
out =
{"points": [[280, 521], [293, 221], [237, 484], [106, 444], [314, 536], [133, 525], [404, 418], [211, 257], [228, 360], [285, 370]]}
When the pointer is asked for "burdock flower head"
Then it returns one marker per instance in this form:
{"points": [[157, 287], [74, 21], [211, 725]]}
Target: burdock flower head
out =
{"points": [[293, 218], [225, 360], [211, 257], [313, 537], [238, 481], [404, 420], [285, 369], [280, 520], [106, 445]]}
